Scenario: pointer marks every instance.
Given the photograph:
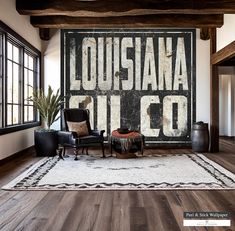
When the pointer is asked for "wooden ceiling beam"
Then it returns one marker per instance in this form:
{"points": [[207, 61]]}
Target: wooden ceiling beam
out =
{"points": [[104, 8], [196, 21], [44, 34], [205, 33]]}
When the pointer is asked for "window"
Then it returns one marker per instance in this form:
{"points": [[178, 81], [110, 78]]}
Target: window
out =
{"points": [[19, 75]]}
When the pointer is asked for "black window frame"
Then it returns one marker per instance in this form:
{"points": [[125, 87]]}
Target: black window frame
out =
{"points": [[7, 34]]}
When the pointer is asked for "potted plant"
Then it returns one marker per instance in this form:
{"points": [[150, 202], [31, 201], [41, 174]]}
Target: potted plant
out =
{"points": [[48, 106]]}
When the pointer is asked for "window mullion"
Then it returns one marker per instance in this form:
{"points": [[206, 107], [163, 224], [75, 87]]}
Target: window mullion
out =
{"points": [[2, 79], [21, 80], [12, 91], [36, 84], [5, 82]]}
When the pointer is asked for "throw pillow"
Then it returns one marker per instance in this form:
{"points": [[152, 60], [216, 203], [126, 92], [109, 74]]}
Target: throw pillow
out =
{"points": [[79, 127]]}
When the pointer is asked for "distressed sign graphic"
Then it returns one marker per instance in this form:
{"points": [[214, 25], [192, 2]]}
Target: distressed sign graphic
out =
{"points": [[140, 79]]}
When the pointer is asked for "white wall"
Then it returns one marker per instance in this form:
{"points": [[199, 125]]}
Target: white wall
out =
{"points": [[226, 34], [202, 79], [52, 73], [19, 23], [52, 68], [14, 142]]}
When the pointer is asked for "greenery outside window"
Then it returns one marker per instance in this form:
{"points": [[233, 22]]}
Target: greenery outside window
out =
{"points": [[19, 76]]}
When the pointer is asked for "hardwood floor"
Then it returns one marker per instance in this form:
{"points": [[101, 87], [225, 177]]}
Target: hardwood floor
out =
{"points": [[110, 210]]}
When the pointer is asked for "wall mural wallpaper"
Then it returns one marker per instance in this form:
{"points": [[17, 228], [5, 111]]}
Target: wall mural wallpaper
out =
{"points": [[140, 79]]}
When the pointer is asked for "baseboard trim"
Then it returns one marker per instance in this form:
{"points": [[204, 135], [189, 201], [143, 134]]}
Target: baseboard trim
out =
{"points": [[24, 152]]}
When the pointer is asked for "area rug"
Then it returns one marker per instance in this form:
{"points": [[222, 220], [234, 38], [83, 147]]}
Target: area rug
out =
{"points": [[157, 172]]}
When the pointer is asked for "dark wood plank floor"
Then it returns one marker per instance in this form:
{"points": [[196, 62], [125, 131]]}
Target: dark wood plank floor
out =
{"points": [[110, 210]]}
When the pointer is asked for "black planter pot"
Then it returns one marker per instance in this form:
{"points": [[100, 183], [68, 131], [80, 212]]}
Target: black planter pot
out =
{"points": [[46, 142]]}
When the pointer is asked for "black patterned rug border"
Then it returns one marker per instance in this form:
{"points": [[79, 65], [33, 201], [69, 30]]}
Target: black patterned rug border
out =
{"points": [[213, 167]]}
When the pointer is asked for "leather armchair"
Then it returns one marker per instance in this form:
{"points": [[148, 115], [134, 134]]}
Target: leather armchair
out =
{"points": [[72, 139]]}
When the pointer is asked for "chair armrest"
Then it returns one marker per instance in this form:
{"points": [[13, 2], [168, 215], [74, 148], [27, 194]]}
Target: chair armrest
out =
{"points": [[97, 132], [65, 137]]}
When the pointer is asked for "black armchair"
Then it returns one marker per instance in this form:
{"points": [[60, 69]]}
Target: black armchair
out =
{"points": [[73, 139]]}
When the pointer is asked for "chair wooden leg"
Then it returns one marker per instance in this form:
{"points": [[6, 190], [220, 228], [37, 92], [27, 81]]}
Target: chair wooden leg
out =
{"points": [[110, 146], [59, 152], [63, 154], [102, 146], [76, 154], [85, 149], [142, 145]]}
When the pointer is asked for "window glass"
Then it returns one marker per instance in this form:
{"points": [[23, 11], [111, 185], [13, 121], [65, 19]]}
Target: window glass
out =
{"points": [[16, 54], [26, 60], [16, 83], [31, 80], [9, 50], [26, 113], [9, 82], [30, 62], [31, 113], [15, 114], [30, 93], [9, 114]]}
